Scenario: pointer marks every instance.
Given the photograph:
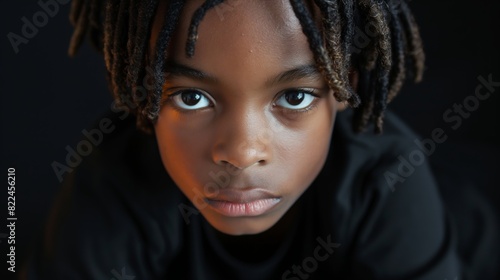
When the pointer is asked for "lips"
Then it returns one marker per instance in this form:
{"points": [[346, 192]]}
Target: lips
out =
{"points": [[240, 203]]}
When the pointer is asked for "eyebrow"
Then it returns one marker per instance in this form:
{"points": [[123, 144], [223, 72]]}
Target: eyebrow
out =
{"points": [[307, 71], [300, 72], [179, 70]]}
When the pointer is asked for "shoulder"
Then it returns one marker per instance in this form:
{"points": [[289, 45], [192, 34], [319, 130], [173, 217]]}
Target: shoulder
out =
{"points": [[388, 203], [367, 162], [397, 154], [125, 170], [111, 209]]}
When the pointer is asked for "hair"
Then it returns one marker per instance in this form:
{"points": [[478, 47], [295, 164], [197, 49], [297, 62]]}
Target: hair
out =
{"points": [[121, 31]]}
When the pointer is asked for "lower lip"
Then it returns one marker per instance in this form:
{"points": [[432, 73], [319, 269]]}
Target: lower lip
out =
{"points": [[253, 208]]}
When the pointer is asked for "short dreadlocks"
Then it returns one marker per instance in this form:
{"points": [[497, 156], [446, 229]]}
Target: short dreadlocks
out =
{"points": [[121, 29]]}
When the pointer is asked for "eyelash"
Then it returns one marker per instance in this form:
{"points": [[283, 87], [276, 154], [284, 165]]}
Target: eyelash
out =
{"points": [[169, 101], [312, 106]]}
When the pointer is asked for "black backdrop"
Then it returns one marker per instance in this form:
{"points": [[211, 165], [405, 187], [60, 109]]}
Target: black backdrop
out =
{"points": [[48, 98]]}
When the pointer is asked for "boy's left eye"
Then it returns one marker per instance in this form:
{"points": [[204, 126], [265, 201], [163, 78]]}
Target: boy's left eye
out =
{"points": [[296, 99]]}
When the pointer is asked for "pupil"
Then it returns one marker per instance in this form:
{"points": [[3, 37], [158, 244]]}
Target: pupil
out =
{"points": [[294, 98], [191, 98]]}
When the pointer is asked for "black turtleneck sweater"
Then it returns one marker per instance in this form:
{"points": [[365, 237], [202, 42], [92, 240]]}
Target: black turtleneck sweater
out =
{"points": [[117, 216]]}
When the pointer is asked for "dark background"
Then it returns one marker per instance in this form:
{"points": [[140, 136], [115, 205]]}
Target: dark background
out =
{"points": [[48, 98]]}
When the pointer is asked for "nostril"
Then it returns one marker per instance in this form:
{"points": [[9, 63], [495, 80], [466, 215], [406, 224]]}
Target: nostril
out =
{"points": [[237, 166], [229, 164]]}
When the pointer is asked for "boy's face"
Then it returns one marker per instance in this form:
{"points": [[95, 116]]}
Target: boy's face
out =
{"points": [[246, 123]]}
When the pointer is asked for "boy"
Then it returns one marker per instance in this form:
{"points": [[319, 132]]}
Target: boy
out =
{"points": [[244, 108]]}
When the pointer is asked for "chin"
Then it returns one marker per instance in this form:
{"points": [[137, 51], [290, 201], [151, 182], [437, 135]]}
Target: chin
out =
{"points": [[240, 225]]}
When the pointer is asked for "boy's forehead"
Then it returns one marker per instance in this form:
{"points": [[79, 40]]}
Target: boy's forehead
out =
{"points": [[244, 29], [277, 13]]}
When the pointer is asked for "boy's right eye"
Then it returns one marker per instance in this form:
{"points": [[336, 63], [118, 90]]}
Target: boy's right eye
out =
{"points": [[190, 99]]}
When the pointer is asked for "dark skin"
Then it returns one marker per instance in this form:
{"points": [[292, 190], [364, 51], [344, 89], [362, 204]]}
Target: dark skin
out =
{"points": [[252, 106]]}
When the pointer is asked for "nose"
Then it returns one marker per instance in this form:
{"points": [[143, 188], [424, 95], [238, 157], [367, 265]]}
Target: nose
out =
{"points": [[242, 140]]}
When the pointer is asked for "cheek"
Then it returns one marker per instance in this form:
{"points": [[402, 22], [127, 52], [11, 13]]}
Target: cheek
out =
{"points": [[183, 151], [302, 152]]}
